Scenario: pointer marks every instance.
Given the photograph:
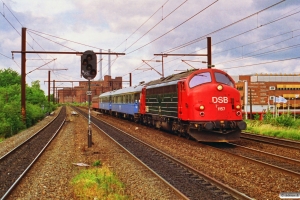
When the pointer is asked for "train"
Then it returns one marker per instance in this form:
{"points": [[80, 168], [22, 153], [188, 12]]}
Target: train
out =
{"points": [[202, 104]]}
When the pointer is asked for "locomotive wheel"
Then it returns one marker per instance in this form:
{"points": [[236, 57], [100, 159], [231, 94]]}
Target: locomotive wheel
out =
{"points": [[187, 136]]}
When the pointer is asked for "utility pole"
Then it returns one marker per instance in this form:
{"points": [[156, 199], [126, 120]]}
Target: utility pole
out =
{"points": [[208, 55], [251, 104], [23, 75]]}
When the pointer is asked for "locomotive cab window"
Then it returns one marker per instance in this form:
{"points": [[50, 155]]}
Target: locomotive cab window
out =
{"points": [[223, 78], [199, 79]]}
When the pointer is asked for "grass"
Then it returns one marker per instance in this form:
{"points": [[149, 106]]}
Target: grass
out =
{"points": [[259, 127], [98, 183]]}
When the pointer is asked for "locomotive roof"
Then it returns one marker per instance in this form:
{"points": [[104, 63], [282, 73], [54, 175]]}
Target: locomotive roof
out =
{"points": [[171, 78], [162, 84], [123, 90]]}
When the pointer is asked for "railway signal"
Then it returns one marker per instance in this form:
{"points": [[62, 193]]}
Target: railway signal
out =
{"points": [[89, 65]]}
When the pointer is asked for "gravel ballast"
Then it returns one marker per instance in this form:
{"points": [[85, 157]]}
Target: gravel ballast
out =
{"points": [[50, 177]]}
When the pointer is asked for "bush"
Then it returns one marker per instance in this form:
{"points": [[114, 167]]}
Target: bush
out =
{"points": [[285, 120], [98, 183], [283, 126], [34, 113]]}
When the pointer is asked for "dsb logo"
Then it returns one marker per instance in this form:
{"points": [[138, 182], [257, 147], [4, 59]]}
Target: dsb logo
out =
{"points": [[219, 99]]}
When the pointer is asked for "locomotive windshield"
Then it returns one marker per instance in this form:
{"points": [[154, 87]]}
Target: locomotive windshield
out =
{"points": [[199, 79], [223, 78]]}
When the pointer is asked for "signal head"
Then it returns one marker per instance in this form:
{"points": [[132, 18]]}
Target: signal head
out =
{"points": [[89, 65]]}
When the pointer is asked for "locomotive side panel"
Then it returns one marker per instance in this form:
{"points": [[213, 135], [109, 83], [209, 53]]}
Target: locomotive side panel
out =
{"points": [[183, 109], [143, 101], [162, 100]]}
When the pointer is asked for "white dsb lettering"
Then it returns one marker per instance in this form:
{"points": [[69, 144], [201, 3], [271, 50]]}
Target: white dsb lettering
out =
{"points": [[219, 99]]}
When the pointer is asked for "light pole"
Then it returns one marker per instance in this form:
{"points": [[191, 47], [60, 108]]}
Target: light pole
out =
{"points": [[294, 109], [296, 96]]}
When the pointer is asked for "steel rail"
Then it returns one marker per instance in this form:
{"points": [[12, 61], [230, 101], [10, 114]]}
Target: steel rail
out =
{"points": [[213, 181], [297, 162], [35, 159], [272, 140], [138, 160], [28, 138], [281, 169]]}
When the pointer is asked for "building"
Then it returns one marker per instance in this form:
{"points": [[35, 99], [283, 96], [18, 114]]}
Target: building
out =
{"points": [[259, 92], [79, 93]]}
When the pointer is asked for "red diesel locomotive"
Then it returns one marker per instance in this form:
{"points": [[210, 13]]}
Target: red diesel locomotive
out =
{"points": [[203, 104]]}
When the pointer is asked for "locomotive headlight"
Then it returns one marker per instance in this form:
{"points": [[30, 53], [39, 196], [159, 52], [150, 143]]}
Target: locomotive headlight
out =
{"points": [[201, 107], [220, 87], [238, 107]]}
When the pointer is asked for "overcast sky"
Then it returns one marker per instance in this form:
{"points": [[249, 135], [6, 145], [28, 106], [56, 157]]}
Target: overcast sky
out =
{"points": [[248, 36]]}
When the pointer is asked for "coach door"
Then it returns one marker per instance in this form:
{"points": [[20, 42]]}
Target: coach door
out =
{"points": [[180, 86], [110, 103]]}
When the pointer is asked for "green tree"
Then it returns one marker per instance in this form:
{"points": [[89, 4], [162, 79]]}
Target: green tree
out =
{"points": [[9, 77], [11, 121], [34, 94]]}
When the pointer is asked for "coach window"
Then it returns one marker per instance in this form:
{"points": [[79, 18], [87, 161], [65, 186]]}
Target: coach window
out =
{"points": [[136, 97], [129, 98], [223, 78], [199, 79]]}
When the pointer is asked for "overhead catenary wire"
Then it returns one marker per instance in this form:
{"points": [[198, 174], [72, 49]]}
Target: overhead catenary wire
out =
{"points": [[16, 29], [268, 62], [173, 28], [140, 26], [222, 28], [38, 33], [251, 55], [155, 25], [35, 32], [268, 23], [280, 18], [41, 33]]}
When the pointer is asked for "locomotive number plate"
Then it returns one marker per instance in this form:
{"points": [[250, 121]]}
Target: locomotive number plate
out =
{"points": [[221, 108]]}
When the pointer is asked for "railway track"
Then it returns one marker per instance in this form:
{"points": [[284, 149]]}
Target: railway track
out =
{"points": [[15, 164], [272, 140], [280, 163], [186, 181]]}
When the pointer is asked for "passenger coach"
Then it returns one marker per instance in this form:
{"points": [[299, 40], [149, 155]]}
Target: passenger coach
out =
{"points": [[122, 103]]}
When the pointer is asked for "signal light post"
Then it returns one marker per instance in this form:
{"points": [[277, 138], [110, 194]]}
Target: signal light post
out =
{"points": [[89, 65], [89, 71]]}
